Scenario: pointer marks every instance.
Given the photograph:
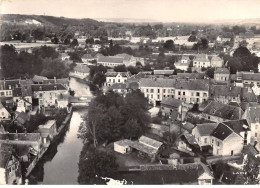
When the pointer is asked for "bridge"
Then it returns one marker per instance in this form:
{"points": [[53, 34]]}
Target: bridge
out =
{"points": [[80, 100]]}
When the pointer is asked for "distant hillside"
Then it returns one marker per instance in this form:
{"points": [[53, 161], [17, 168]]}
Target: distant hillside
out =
{"points": [[47, 20]]}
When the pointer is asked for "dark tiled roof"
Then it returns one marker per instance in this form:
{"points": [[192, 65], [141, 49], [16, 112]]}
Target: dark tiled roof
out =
{"points": [[196, 85], [223, 110], [157, 82], [248, 96], [191, 75], [250, 76], [110, 59], [163, 72], [222, 131], [171, 102], [224, 90], [118, 86], [6, 83], [238, 125], [206, 129], [222, 71], [47, 87]]}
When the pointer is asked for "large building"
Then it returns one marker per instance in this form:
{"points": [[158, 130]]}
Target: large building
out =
{"points": [[155, 89], [201, 60], [119, 59], [192, 91], [216, 61], [116, 77]]}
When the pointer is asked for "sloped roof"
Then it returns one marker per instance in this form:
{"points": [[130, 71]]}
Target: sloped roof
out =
{"points": [[110, 59], [169, 101], [254, 113], [87, 56], [82, 68], [162, 72], [223, 110], [222, 132], [150, 142], [196, 85], [118, 86], [98, 55], [191, 75], [250, 76], [114, 74], [216, 58], [238, 125], [57, 80], [222, 71], [247, 96], [206, 129], [201, 58], [184, 57], [37, 78], [47, 87], [224, 90], [13, 83], [157, 82], [124, 56]]}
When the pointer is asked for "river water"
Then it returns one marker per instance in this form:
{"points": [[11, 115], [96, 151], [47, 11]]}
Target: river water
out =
{"points": [[59, 164]]}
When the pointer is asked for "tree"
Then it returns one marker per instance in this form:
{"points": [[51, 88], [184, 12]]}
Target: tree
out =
{"points": [[210, 72], [74, 43], [54, 68], [169, 45], [89, 41], [120, 68], [94, 165], [75, 57], [133, 70], [55, 40], [241, 52], [192, 38]]}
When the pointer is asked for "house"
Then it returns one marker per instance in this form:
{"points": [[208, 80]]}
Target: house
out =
{"points": [[87, 58], [81, 70], [163, 72], [46, 95], [155, 89], [226, 142], [256, 89], [48, 131], [21, 118], [217, 62], [205, 175], [226, 93], [187, 143], [10, 168], [7, 87], [23, 105], [116, 77], [183, 63], [192, 91], [64, 56], [201, 60], [4, 113], [123, 146], [63, 81], [219, 112], [157, 129], [191, 76], [202, 134], [250, 79], [221, 75], [118, 88], [39, 79], [169, 104], [63, 100], [252, 115], [119, 59]]}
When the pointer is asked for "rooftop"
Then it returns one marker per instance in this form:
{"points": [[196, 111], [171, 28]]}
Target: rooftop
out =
{"points": [[195, 85], [169, 101], [222, 131], [222, 71], [206, 129], [157, 82]]}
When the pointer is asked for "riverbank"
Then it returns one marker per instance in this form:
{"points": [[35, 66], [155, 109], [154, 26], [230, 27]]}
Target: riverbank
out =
{"points": [[34, 162]]}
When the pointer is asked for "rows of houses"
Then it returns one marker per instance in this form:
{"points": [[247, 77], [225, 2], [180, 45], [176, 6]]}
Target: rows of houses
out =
{"points": [[21, 95]]}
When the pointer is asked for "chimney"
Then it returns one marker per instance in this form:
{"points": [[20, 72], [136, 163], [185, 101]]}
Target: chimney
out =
{"points": [[55, 80]]}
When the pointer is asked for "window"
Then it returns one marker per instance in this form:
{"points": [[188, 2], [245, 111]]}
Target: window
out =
{"points": [[205, 140], [192, 94], [55, 87], [147, 95], [10, 87], [218, 143], [179, 93], [2, 93], [158, 90], [164, 90], [147, 90], [183, 92], [10, 92], [151, 90], [158, 96], [151, 96], [255, 134], [118, 80], [197, 94]]}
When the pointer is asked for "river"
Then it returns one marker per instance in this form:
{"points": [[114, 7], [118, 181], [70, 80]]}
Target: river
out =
{"points": [[59, 164]]}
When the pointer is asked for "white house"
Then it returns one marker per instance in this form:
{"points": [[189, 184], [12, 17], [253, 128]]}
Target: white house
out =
{"points": [[4, 114], [216, 61], [122, 146], [116, 77], [201, 60]]}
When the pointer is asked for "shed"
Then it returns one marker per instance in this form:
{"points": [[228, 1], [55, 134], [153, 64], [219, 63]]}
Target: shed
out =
{"points": [[123, 146]]}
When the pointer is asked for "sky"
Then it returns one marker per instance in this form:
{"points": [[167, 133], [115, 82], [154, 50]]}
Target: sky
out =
{"points": [[157, 10]]}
